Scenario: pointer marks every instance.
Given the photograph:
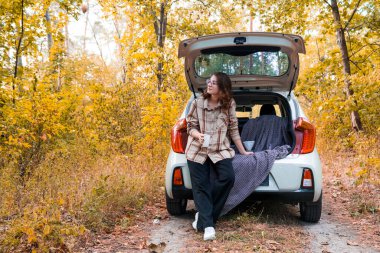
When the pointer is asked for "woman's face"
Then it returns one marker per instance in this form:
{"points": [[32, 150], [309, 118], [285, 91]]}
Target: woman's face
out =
{"points": [[212, 86]]}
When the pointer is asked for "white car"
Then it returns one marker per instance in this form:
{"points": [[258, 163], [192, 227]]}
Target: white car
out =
{"points": [[263, 68]]}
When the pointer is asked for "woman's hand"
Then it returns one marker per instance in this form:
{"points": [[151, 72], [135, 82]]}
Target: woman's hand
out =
{"points": [[200, 137], [241, 148]]}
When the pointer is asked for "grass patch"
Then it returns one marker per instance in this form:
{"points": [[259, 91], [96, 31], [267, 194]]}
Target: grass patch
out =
{"points": [[262, 227], [74, 192]]}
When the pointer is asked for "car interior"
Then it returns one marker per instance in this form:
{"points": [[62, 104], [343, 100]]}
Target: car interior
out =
{"points": [[268, 115]]}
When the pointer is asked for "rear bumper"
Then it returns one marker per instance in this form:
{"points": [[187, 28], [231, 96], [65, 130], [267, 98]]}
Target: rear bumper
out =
{"points": [[301, 195]]}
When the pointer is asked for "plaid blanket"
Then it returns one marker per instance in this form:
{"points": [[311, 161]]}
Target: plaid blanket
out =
{"points": [[271, 142], [268, 132]]}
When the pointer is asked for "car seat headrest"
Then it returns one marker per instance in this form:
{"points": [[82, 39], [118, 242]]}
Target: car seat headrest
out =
{"points": [[267, 109]]}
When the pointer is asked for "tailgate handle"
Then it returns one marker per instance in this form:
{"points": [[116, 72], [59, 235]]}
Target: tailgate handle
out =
{"points": [[240, 40]]}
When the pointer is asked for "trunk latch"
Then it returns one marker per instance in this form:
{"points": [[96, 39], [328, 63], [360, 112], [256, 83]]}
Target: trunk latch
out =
{"points": [[240, 40]]}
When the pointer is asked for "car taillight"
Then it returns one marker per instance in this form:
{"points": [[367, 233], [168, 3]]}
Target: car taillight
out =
{"points": [[305, 136], [179, 136], [307, 178], [177, 177]]}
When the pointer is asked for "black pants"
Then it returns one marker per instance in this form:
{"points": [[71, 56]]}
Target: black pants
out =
{"points": [[210, 194]]}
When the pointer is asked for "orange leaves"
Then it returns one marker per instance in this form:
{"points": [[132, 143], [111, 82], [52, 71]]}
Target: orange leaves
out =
{"points": [[30, 235]]}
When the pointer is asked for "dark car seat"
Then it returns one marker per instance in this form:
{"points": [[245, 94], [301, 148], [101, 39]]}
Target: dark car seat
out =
{"points": [[267, 109], [268, 131]]}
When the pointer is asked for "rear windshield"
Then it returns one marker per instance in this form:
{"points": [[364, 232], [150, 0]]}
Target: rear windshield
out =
{"points": [[263, 63]]}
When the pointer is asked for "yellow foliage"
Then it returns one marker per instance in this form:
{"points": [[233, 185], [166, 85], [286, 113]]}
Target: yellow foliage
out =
{"points": [[46, 230], [322, 93], [83, 144]]}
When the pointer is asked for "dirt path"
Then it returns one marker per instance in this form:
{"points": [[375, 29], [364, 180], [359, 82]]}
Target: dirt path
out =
{"points": [[278, 229], [265, 227], [329, 236], [326, 236], [171, 235]]}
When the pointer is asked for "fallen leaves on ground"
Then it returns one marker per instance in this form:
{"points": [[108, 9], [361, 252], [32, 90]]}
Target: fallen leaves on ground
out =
{"points": [[357, 206], [351, 243]]}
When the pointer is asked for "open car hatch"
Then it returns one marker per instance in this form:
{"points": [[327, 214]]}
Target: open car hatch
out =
{"points": [[253, 60]]}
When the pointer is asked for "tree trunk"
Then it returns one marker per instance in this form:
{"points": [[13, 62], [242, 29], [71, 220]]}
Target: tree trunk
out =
{"points": [[98, 44], [17, 56], [48, 28], [67, 39], [341, 40], [122, 50], [85, 29], [160, 29], [18, 47]]}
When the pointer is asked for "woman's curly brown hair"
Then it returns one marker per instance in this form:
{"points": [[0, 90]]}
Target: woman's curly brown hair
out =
{"points": [[224, 85]]}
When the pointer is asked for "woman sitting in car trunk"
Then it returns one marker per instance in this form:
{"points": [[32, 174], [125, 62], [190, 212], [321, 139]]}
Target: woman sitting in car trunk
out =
{"points": [[211, 120]]}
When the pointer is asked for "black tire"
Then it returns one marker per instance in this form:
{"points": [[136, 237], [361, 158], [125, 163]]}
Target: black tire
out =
{"points": [[175, 206], [311, 211]]}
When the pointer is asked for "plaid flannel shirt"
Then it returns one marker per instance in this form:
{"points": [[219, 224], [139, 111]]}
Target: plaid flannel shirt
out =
{"points": [[218, 123]]}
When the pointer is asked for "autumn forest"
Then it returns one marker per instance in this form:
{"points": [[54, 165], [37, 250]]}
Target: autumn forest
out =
{"points": [[85, 126]]}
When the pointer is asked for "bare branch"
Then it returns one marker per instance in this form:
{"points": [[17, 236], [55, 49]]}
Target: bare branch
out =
{"points": [[121, 48], [205, 5], [26, 45], [357, 51], [319, 55], [356, 65], [369, 55], [116, 25], [352, 15], [327, 3], [362, 47], [98, 44], [353, 28]]}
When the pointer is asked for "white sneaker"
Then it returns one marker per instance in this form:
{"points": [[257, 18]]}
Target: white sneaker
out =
{"points": [[195, 221], [209, 234]]}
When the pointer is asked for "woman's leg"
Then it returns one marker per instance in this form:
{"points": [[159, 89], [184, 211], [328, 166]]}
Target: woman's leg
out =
{"points": [[200, 181], [225, 178]]}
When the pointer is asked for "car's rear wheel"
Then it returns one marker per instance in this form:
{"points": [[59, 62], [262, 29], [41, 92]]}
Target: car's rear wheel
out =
{"points": [[176, 206], [311, 211]]}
